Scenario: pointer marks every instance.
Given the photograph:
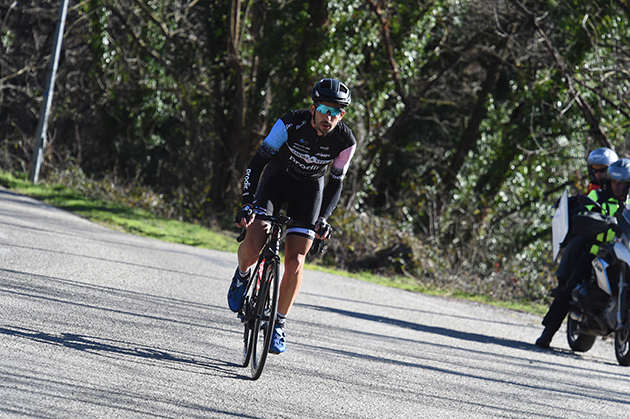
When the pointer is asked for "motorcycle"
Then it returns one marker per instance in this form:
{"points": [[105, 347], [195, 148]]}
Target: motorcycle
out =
{"points": [[600, 305]]}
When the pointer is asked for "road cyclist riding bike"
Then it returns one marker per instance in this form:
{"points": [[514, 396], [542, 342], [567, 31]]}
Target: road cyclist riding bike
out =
{"points": [[288, 170], [258, 312]]}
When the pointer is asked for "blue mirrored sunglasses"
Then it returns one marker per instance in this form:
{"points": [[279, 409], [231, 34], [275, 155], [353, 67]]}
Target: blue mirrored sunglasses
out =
{"points": [[325, 109]]}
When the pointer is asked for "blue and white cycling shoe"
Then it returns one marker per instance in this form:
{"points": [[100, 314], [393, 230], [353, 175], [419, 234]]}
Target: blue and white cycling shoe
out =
{"points": [[237, 291], [278, 341]]}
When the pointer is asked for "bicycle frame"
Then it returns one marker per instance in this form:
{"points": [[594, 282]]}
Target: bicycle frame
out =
{"points": [[271, 250]]}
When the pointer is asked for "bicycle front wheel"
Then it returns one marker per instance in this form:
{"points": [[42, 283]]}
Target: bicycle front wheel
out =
{"points": [[247, 332], [248, 317], [266, 307]]}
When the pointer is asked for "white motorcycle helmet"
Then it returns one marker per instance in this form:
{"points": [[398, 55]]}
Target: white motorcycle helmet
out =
{"points": [[620, 171], [602, 156]]}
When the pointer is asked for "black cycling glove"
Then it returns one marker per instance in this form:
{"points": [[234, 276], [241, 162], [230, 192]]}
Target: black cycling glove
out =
{"points": [[246, 212], [323, 229]]}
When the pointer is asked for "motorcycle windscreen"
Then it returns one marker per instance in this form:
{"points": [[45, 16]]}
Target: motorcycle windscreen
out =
{"points": [[560, 224]]}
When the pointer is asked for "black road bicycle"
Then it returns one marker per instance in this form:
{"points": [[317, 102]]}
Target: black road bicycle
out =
{"points": [[261, 301]]}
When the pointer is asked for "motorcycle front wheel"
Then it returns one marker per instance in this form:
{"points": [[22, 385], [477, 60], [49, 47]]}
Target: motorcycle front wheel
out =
{"points": [[577, 341], [622, 340]]}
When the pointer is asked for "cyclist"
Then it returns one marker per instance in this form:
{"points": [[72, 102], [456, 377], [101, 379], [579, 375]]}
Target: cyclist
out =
{"points": [[576, 262], [293, 160]]}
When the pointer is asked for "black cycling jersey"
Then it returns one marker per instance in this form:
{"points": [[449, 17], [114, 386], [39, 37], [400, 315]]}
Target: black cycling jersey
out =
{"points": [[298, 150]]}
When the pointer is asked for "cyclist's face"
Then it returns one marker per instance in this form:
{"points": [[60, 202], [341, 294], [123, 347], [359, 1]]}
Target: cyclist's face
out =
{"points": [[325, 123]]}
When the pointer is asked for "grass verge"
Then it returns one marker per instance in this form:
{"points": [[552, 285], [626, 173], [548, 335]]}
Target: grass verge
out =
{"points": [[142, 222], [120, 217]]}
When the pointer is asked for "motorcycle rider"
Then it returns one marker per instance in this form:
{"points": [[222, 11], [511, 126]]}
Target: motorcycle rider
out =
{"points": [[597, 164], [580, 252], [598, 161]]}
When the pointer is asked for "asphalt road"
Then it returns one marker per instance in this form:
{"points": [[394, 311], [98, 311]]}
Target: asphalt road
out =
{"points": [[99, 324]]}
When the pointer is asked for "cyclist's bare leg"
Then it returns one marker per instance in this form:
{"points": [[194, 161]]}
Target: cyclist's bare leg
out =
{"points": [[295, 250], [254, 241]]}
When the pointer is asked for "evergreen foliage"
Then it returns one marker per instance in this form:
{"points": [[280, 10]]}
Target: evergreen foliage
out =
{"points": [[471, 116]]}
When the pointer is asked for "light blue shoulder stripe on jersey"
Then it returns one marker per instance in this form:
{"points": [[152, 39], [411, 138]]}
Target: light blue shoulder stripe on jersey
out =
{"points": [[276, 137]]}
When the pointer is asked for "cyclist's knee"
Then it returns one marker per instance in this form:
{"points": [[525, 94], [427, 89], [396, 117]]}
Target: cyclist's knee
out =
{"points": [[294, 262], [295, 251]]}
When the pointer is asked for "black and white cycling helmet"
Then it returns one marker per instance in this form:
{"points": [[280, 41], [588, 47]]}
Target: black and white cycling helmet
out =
{"points": [[603, 156], [332, 91], [619, 170]]}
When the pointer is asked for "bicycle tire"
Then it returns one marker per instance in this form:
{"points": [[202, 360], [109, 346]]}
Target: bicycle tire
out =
{"points": [[248, 317], [247, 333], [266, 308]]}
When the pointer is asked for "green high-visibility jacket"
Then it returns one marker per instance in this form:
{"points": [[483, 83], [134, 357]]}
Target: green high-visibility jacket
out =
{"points": [[610, 206]]}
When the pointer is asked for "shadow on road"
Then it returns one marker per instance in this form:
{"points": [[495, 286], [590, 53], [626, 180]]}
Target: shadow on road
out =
{"points": [[109, 346], [468, 336]]}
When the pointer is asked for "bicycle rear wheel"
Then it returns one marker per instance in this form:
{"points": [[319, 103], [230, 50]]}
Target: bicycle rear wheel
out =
{"points": [[266, 307]]}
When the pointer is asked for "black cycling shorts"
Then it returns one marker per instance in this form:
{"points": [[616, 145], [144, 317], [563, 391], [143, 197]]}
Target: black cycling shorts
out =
{"points": [[302, 198]]}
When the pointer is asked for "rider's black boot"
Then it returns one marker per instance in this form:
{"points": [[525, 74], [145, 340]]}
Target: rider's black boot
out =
{"points": [[545, 339]]}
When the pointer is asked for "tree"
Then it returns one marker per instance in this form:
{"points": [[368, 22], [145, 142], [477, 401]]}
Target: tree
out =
{"points": [[471, 117]]}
